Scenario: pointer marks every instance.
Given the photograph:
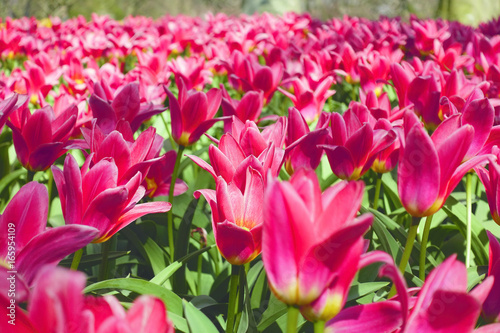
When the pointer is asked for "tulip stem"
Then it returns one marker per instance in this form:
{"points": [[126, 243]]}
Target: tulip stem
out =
{"points": [[103, 269], [468, 191], [172, 142], [200, 264], [233, 296], [410, 240], [292, 319], [170, 213], [319, 326], [50, 182], [423, 247], [378, 185], [30, 176], [76, 259]]}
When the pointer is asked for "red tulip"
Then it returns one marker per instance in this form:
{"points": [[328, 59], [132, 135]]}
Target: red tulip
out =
{"points": [[26, 244], [431, 167], [41, 138], [308, 235], [57, 303], [192, 113], [94, 198], [237, 216]]}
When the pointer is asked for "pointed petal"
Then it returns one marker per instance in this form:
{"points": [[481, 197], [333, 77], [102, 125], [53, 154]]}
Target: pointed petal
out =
{"points": [[52, 246], [417, 173]]}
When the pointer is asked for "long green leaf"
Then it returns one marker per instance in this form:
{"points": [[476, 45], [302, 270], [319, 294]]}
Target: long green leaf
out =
{"points": [[197, 321]]}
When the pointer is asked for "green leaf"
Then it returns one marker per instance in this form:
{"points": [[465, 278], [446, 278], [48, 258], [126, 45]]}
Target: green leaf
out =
{"points": [[362, 289], [457, 214], [275, 310], [197, 321], [143, 287], [93, 259], [182, 245]]}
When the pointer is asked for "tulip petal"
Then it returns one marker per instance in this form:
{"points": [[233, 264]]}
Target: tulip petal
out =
{"points": [[278, 245], [52, 246], [235, 243], [417, 173], [367, 318], [321, 261], [341, 161], [27, 210], [56, 302], [127, 103], [148, 314]]}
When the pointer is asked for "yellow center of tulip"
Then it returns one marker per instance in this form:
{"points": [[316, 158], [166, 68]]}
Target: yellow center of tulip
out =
{"points": [[151, 186]]}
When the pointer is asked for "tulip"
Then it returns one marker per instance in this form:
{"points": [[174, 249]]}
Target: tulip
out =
{"points": [[237, 216], [130, 156], [94, 198], [491, 306], [308, 235], [41, 138], [431, 167], [310, 102], [57, 302], [26, 244], [125, 105], [302, 144], [192, 113], [442, 305], [354, 145], [248, 108], [157, 182], [9, 105]]}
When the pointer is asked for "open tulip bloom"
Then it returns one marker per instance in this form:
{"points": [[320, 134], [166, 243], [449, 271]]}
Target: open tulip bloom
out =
{"points": [[307, 235]]}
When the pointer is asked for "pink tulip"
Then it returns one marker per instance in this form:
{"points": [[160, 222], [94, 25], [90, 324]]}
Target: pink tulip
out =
{"points": [[237, 216], [192, 113], [57, 303], [41, 138], [431, 167], [491, 306], [302, 144], [94, 198], [490, 179], [442, 305], [248, 108], [310, 102], [26, 244], [157, 182], [308, 235], [125, 105], [9, 105], [130, 156], [354, 144]]}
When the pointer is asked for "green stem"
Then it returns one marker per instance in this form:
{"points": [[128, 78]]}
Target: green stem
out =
{"points": [[468, 191], [50, 183], [76, 259], [378, 185], [233, 296], [292, 319], [103, 269], [170, 213], [410, 240], [30, 175], [200, 263], [319, 326], [172, 142], [241, 299], [423, 247]]}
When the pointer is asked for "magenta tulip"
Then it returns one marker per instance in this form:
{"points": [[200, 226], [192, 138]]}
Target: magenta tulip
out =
{"points": [[308, 235], [93, 197], [192, 113], [237, 216], [431, 167], [26, 244], [41, 138]]}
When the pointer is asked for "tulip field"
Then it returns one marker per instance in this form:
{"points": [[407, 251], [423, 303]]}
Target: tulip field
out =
{"points": [[249, 174]]}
